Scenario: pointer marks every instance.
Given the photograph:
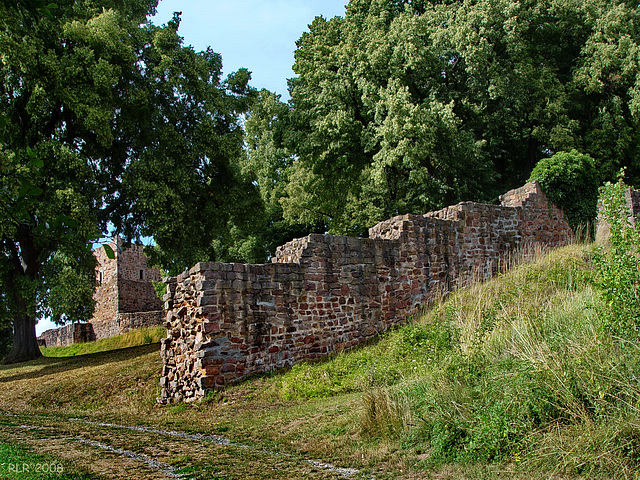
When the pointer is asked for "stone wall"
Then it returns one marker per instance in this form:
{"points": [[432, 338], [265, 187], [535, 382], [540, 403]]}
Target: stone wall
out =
{"points": [[84, 332], [125, 322], [324, 293], [67, 335], [125, 287], [632, 198], [135, 287], [106, 294]]}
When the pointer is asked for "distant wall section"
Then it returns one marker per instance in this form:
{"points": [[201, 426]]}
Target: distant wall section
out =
{"points": [[67, 335]]}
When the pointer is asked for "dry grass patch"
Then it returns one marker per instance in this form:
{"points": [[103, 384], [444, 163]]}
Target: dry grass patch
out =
{"points": [[120, 381]]}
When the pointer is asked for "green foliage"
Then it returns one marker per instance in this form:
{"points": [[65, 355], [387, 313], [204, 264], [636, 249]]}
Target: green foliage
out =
{"points": [[570, 180], [6, 339], [108, 121], [409, 352], [69, 297], [405, 107], [160, 289], [267, 164], [619, 263]]}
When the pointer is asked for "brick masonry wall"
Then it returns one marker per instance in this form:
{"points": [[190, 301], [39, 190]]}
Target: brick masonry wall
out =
{"points": [[106, 294], [125, 322], [324, 293], [135, 290]]}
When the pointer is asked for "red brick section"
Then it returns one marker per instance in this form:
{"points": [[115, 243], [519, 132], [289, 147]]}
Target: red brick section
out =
{"points": [[106, 295], [325, 293]]}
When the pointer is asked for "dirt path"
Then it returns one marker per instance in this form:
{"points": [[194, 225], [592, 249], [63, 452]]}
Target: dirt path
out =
{"points": [[122, 451]]}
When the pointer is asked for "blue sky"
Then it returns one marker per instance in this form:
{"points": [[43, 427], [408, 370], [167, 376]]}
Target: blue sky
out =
{"points": [[259, 35]]}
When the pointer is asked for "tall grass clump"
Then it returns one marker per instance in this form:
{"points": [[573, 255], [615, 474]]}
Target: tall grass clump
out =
{"points": [[548, 374]]}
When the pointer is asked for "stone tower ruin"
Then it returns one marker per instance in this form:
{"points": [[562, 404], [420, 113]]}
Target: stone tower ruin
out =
{"points": [[125, 298]]}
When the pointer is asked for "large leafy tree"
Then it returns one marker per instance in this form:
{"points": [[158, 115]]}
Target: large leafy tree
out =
{"points": [[106, 120], [404, 106], [267, 164]]}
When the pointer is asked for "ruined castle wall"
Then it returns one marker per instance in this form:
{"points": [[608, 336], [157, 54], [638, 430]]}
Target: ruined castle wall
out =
{"points": [[67, 335], [125, 322], [135, 296], [325, 293], [106, 294], [125, 288], [135, 290], [138, 320]]}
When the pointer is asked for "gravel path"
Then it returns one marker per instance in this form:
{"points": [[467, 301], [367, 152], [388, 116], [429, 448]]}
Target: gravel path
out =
{"points": [[117, 451]]}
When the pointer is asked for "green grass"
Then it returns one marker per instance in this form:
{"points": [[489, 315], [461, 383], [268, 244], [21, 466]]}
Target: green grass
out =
{"points": [[517, 370], [134, 338], [517, 377], [20, 464]]}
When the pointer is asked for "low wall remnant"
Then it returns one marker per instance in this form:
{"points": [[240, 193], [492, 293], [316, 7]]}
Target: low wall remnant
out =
{"points": [[67, 335]]}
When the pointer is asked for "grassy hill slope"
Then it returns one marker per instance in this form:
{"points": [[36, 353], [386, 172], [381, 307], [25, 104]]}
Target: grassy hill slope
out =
{"points": [[512, 378]]}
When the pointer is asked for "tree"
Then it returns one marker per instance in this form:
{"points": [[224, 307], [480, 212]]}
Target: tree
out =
{"points": [[405, 106], [267, 165], [571, 180], [106, 118]]}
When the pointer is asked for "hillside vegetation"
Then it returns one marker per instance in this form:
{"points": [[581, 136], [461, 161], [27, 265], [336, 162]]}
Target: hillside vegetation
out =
{"points": [[529, 375]]}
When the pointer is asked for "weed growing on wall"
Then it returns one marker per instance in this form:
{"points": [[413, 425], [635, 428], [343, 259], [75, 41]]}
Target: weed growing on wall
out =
{"points": [[619, 263]]}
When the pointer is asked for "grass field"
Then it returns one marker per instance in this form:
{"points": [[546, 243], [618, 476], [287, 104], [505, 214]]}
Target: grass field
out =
{"points": [[134, 338], [513, 378]]}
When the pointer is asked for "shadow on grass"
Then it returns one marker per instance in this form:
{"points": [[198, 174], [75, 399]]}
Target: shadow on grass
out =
{"points": [[55, 365]]}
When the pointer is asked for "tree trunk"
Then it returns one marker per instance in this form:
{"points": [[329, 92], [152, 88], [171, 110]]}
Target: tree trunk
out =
{"points": [[25, 344]]}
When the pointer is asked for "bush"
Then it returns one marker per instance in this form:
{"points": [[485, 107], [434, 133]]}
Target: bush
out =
{"points": [[619, 265], [570, 180]]}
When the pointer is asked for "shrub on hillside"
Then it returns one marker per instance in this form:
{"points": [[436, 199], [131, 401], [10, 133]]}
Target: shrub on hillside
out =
{"points": [[619, 265], [571, 182]]}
